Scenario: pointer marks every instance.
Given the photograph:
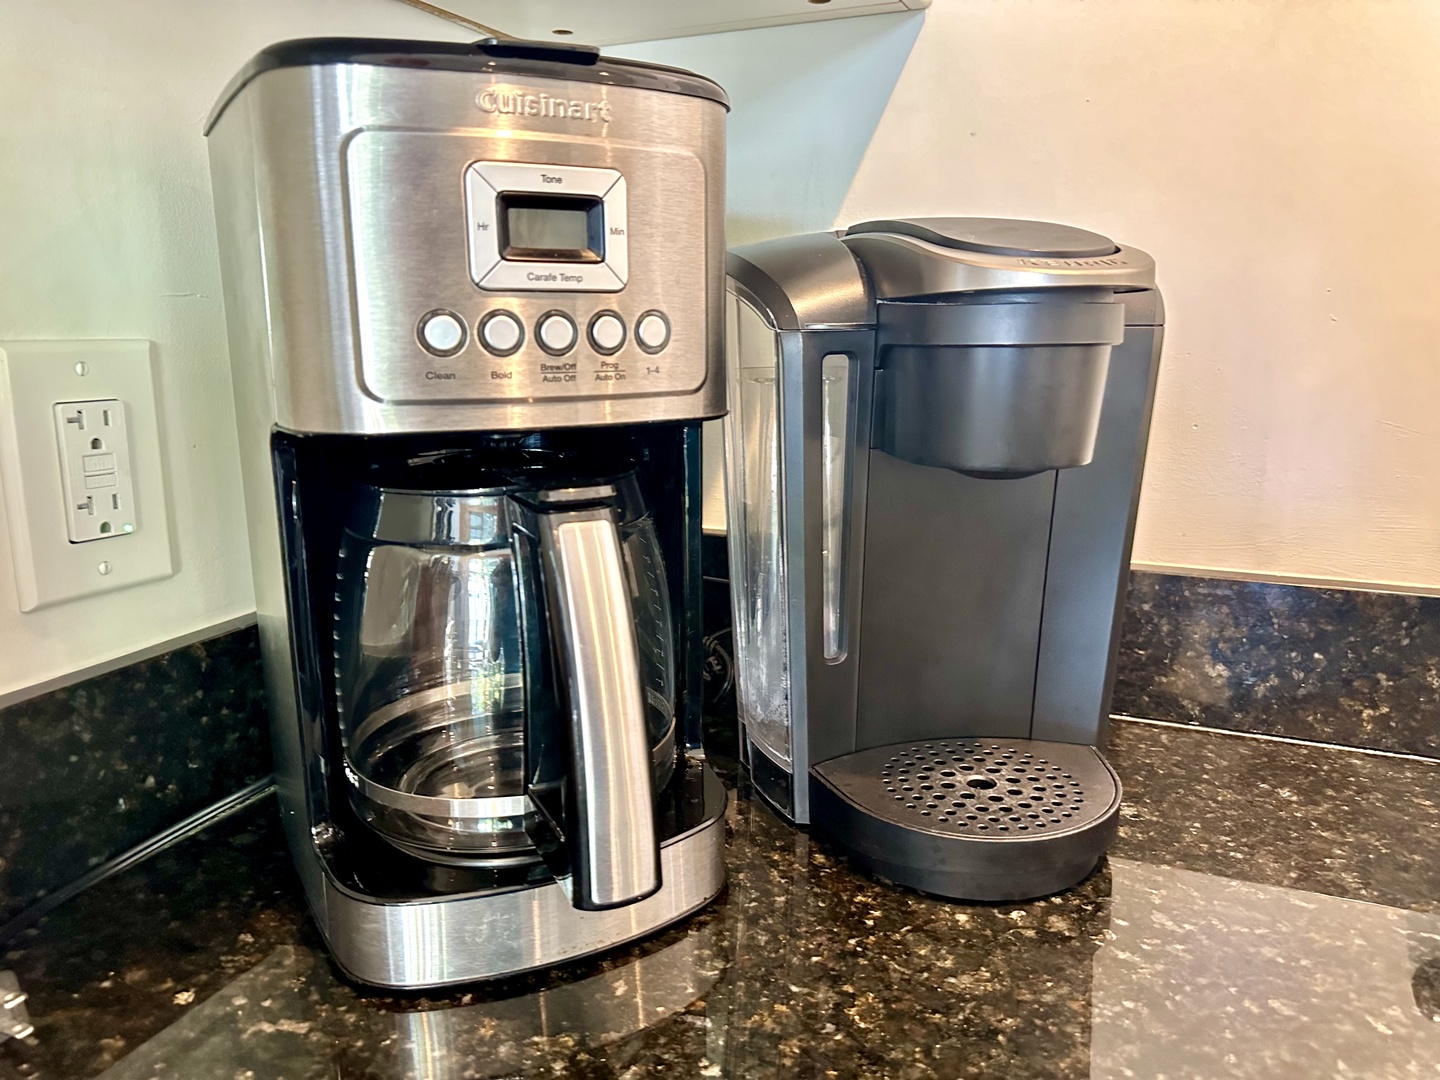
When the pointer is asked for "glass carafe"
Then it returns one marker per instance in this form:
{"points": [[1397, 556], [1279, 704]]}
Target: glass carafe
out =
{"points": [[447, 601]]}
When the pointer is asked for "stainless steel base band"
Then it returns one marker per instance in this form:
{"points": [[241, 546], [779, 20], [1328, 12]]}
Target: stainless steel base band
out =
{"points": [[435, 943]]}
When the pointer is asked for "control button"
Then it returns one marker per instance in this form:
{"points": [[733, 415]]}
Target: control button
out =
{"points": [[607, 332], [442, 333], [653, 331], [557, 333], [501, 333]]}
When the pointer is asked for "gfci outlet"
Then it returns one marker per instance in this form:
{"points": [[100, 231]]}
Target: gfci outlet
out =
{"points": [[95, 469], [81, 466]]}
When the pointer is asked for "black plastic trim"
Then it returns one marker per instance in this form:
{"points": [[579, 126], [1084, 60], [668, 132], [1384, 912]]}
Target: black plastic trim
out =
{"points": [[541, 59]]}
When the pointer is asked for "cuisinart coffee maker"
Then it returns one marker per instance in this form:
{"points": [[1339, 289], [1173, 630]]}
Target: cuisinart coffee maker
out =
{"points": [[474, 302], [934, 450]]}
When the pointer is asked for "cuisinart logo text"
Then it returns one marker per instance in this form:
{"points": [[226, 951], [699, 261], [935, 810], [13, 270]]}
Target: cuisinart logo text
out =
{"points": [[518, 103]]}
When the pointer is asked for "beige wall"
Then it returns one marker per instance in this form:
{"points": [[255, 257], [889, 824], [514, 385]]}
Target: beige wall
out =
{"points": [[106, 231], [1281, 160]]}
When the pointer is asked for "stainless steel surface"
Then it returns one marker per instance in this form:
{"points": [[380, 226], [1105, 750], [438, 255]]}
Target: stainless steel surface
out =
{"points": [[823, 285], [612, 757], [346, 180], [477, 517], [902, 266], [311, 251], [14, 1018], [465, 938]]}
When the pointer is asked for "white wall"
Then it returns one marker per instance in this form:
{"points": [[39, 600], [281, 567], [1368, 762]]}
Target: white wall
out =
{"points": [[1281, 160], [106, 231]]}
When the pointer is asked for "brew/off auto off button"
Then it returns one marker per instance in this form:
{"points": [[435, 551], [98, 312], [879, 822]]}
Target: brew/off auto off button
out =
{"points": [[556, 332]]}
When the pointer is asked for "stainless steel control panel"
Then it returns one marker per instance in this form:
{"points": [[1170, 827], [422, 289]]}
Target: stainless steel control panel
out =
{"points": [[496, 266]]}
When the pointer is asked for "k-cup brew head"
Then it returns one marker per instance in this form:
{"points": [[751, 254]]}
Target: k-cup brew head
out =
{"points": [[994, 339]]}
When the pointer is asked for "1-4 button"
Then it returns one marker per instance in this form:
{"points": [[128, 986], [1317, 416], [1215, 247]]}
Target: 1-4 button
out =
{"points": [[652, 331], [607, 333], [557, 333], [501, 333]]}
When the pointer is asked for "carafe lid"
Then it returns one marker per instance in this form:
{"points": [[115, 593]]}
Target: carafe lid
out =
{"points": [[489, 56]]}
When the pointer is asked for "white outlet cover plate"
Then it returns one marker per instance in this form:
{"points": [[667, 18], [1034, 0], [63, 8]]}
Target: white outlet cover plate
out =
{"points": [[34, 377]]}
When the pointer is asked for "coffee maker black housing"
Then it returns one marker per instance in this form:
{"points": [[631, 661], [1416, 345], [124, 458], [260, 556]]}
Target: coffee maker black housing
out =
{"points": [[934, 451]]}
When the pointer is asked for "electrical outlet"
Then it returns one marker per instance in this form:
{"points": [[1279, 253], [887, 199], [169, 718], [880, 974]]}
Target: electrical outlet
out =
{"points": [[81, 465], [95, 469]]}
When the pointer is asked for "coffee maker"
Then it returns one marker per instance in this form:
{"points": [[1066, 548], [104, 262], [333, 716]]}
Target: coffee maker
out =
{"points": [[933, 462], [474, 299]]}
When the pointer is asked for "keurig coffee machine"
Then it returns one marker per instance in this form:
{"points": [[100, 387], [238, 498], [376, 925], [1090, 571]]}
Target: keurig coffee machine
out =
{"points": [[934, 451], [474, 296]]}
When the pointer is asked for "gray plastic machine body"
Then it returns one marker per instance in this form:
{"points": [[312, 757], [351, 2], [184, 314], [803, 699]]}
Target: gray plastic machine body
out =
{"points": [[935, 449]]}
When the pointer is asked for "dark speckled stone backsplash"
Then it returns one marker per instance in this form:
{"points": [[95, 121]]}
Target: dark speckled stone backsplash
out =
{"points": [[1333, 665], [89, 771]]}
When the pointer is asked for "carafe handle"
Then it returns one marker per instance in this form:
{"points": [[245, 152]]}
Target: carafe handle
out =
{"points": [[613, 853]]}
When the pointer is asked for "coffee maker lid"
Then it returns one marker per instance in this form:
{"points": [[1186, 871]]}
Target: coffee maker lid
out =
{"points": [[922, 257], [997, 236], [506, 56]]}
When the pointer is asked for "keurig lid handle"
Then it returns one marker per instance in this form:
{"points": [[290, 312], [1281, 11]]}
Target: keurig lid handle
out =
{"points": [[1015, 237]]}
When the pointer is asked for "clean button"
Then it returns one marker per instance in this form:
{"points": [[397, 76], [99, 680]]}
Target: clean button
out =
{"points": [[501, 332], [442, 332], [653, 331], [557, 333], [607, 332]]}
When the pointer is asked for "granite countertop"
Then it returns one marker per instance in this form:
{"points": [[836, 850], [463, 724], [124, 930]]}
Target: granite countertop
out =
{"points": [[1269, 910]]}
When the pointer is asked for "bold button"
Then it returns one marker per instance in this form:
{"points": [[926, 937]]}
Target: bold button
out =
{"points": [[653, 331], [607, 332], [442, 333], [501, 333], [557, 333]]}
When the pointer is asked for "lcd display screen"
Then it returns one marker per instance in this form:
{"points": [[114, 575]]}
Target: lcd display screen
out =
{"points": [[551, 228]]}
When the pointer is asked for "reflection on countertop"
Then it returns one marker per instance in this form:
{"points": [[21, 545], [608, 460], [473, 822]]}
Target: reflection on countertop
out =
{"points": [[1270, 910]]}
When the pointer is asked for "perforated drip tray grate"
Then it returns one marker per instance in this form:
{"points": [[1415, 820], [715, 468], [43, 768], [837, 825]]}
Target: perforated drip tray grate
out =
{"points": [[975, 818], [991, 787]]}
